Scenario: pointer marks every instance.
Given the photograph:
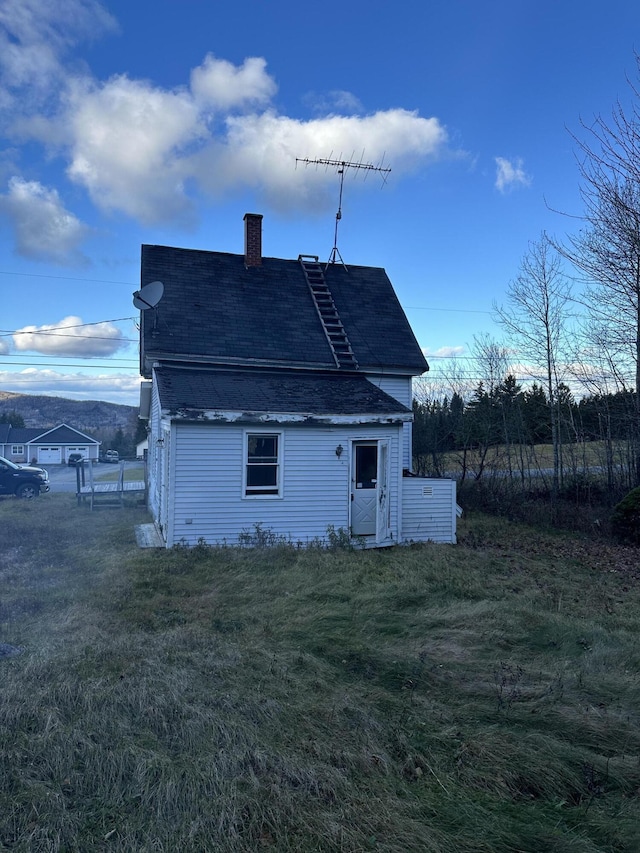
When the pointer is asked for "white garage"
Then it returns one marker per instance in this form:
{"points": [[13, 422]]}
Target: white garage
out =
{"points": [[46, 447], [50, 455]]}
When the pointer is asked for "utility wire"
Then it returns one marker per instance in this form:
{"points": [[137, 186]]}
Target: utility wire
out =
{"points": [[24, 380], [53, 330], [67, 278], [54, 364], [453, 310]]}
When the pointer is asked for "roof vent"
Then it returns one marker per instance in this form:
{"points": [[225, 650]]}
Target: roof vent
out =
{"points": [[253, 239]]}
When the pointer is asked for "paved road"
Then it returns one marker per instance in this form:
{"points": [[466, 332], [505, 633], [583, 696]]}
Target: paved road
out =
{"points": [[62, 478]]}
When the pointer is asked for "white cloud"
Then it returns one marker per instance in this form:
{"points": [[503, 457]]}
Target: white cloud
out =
{"points": [[260, 151], [510, 174], [128, 147], [444, 352], [147, 151], [223, 86], [34, 37], [44, 229], [336, 101], [112, 387], [70, 337], [136, 146], [4, 346]]}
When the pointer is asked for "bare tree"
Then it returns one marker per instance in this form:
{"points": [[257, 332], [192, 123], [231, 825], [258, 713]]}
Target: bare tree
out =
{"points": [[534, 319], [450, 388], [491, 359], [607, 249]]}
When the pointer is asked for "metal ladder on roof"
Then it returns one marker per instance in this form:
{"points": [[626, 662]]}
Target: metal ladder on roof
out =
{"points": [[331, 323]]}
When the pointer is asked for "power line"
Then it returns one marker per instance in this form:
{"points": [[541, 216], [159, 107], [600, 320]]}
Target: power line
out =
{"points": [[54, 364], [452, 310], [451, 357], [53, 330], [59, 356], [19, 379], [67, 278], [519, 376], [79, 337], [135, 284]]}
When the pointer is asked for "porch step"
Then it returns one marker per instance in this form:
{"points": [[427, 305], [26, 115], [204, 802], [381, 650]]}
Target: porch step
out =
{"points": [[147, 536], [328, 313]]}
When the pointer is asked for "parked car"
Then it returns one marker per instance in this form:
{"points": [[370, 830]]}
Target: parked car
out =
{"points": [[111, 456], [23, 481], [74, 458]]}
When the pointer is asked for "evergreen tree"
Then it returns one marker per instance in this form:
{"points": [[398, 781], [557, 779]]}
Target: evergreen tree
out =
{"points": [[16, 420]]}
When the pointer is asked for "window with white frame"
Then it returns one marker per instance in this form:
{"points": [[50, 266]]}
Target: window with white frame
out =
{"points": [[17, 449], [263, 465]]}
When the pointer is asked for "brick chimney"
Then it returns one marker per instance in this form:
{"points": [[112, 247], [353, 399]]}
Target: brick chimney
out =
{"points": [[253, 239]]}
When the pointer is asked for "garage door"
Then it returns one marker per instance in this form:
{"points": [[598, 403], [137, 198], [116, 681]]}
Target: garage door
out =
{"points": [[52, 455], [83, 450]]}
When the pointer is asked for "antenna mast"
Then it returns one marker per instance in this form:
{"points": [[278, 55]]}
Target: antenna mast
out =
{"points": [[342, 166]]}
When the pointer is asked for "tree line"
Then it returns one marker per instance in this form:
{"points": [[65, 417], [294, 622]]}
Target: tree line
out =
{"points": [[559, 397], [507, 431]]}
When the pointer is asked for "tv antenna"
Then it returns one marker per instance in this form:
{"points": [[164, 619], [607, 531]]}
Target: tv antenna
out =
{"points": [[342, 166]]}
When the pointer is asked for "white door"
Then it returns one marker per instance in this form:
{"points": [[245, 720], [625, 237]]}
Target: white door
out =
{"points": [[52, 455], [364, 488]]}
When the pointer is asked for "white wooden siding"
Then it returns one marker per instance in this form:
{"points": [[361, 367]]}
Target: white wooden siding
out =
{"points": [[208, 502], [401, 389], [398, 387], [428, 510]]}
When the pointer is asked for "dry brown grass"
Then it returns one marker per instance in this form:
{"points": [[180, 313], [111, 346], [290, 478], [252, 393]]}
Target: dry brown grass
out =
{"points": [[482, 697]]}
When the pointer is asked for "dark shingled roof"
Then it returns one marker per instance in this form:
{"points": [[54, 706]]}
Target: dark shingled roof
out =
{"points": [[215, 309], [62, 434], [22, 435], [265, 391]]}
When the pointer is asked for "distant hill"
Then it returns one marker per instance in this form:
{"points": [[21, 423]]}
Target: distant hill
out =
{"points": [[43, 412]]}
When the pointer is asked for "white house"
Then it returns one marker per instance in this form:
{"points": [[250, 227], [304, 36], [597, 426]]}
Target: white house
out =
{"points": [[279, 400], [51, 446]]}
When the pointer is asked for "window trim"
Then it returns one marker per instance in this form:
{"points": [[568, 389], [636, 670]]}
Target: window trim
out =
{"points": [[250, 493], [17, 449]]}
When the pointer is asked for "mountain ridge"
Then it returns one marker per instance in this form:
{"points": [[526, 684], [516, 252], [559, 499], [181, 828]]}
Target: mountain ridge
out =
{"points": [[42, 412]]}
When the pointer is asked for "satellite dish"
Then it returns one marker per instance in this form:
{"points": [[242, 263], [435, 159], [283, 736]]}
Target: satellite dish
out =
{"points": [[148, 296]]}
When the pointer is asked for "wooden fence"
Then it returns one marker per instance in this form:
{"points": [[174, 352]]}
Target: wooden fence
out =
{"points": [[108, 492]]}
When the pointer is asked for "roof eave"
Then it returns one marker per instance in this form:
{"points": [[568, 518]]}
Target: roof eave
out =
{"points": [[220, 416], [176, 359]]}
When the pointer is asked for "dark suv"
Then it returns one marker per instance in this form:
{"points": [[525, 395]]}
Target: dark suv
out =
{"points": [[23, 481]]}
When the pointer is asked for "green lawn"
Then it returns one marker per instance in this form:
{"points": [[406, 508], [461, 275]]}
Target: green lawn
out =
{"points": [[130, 474], [476, 698]]}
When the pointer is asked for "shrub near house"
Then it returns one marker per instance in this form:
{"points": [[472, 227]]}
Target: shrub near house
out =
{"points": [[625, 521]]}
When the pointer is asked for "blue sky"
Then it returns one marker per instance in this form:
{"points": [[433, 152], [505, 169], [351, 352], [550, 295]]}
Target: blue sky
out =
{"points": [[136, 122]]}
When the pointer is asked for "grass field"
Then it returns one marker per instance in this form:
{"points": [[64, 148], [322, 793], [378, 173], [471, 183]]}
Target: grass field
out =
{"points": [[476, 698], [130, 474], [539, 457]]}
